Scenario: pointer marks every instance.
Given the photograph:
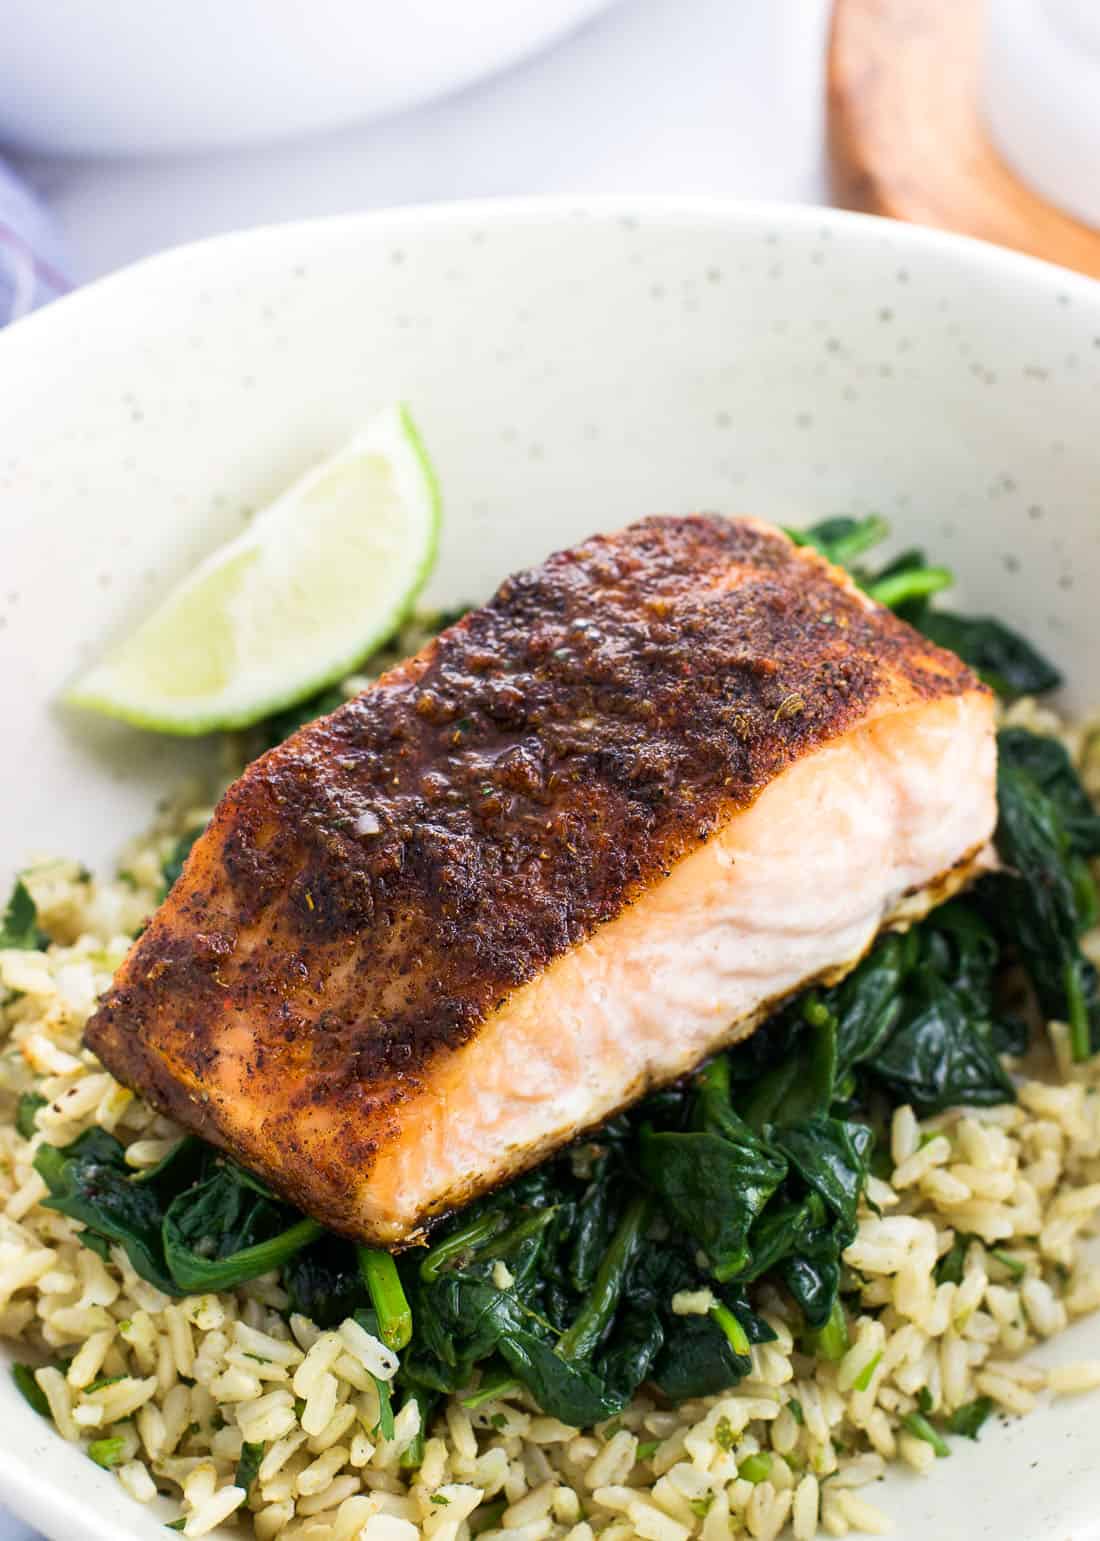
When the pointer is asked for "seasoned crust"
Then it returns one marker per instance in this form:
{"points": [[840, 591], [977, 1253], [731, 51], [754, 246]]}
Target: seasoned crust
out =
{"points": [[372, 890]]}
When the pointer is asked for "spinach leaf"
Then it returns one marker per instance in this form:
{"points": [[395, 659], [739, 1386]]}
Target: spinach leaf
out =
{"points": [[938, 1056], [832, 1157], [465, 1318], [1047, 763], [194, 1223], [699, 1354], [714, 1187], [89, 1181], [1035, 903], [968, 1419], [906, 584], [842, 539], [1011, 1034], [571, 1391], [830, 1340], [958, 945], [626, 1362], [811, 1271], [108, 1452], [323, 1281], [816, 1164], [26, 1112], [949, 1269], [867, 1004], [221, 1232], [182, 1164], [19, 927], [462, 1319], [778, 1232], [386, 1421], [697, 1361], [919, 1017], [803, 1081], [30, 1390], [582, 1313], [593, 1320], [597, 1215], [801, 1235], [1000, 656], [249, 1465]]}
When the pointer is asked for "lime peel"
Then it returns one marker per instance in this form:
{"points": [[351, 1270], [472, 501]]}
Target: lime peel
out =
{"points": [[319, 580]]}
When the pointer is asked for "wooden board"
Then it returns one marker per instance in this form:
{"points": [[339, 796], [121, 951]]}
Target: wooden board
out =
{"points": [[906, 138]]}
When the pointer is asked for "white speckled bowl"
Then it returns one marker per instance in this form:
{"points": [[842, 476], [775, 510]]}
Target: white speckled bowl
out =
{"points": [[571, 367]]}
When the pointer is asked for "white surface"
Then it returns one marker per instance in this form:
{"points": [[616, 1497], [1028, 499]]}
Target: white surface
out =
{"points": [[668, 96], [571, 367], [1077, 20], [1041, 90], [124, 76]]}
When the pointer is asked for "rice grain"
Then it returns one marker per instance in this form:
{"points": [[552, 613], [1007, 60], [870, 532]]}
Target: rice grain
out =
{"points": [[186, 1382]]}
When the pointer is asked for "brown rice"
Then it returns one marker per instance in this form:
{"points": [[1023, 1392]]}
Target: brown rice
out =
{"points": [[791, 1450]]}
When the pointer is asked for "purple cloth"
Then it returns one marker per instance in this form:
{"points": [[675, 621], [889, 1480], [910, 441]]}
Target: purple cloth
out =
{"points": [[31, 265], [31, 259]]}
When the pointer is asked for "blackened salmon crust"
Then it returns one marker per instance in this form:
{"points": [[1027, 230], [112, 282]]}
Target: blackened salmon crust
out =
{"points": [[486, 806]]}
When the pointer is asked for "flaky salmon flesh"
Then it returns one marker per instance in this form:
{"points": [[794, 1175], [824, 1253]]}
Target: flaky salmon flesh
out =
{"points": [[585, 838]]}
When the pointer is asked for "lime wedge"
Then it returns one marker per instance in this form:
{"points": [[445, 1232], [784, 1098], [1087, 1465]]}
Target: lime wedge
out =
{"points": [[317, 582]]}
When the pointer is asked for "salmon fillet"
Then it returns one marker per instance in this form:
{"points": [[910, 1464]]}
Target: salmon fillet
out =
{"points": [[585, 838]]}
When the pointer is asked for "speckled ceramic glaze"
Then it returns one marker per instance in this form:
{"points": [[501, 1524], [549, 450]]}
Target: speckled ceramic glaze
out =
{"points": [[571, 368]]}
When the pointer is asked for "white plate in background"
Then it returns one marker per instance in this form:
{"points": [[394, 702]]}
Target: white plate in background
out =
{"points": [[572, 367], [140, 77]]}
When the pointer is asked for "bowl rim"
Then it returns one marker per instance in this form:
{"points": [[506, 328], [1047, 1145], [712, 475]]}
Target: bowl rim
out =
{"points": [[966, 253]]}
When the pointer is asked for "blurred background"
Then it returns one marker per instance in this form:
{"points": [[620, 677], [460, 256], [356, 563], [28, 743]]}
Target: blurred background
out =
{"points": [[127, 127], [359, 106]]}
